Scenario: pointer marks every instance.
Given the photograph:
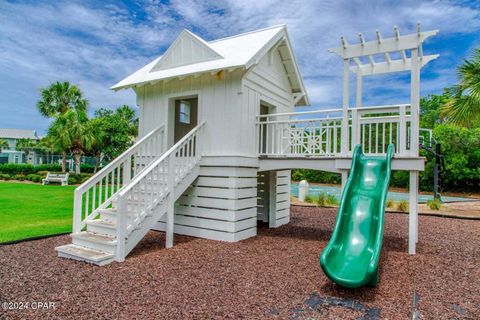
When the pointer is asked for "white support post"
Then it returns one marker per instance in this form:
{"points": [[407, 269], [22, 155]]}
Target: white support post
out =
{"points": [[170, 201], [415, 104], [77, 211], [345, 134], [413, 212], [272, 198], [121, 228]]}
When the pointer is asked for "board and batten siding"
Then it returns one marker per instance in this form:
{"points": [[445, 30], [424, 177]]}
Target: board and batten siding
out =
{"points": [[219, 104]]}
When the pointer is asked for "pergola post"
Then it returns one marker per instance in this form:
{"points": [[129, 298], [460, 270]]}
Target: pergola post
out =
{"points": [[413, 212], [346, 95], [414, 141], [415, 103], [358, 100]]}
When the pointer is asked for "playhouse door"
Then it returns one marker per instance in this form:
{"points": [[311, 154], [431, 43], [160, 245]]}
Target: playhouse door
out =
{"points": [[185, 116]]}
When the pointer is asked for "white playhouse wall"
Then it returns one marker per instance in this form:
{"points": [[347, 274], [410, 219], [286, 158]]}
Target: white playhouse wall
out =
{"points": [[221, 204], [267, 82]]}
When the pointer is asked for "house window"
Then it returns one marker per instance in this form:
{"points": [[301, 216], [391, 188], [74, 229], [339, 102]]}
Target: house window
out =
{"points": [[184, 112]]}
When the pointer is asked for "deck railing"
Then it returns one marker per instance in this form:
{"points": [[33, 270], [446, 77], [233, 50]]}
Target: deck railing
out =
{"points": [[319, 133], [98, 191]]}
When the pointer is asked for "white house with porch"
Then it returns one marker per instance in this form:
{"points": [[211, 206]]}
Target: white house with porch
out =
{"points": [[219, 135]]}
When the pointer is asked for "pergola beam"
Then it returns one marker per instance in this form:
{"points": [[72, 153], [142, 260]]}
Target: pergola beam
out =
{"points": [[387, 45], [392, 66]]}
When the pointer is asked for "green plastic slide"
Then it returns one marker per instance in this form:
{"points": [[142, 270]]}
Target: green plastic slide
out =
{"points": [[352, 254]]}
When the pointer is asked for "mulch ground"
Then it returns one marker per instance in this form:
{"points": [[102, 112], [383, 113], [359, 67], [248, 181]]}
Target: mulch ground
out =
{"points": [[274, 275]]}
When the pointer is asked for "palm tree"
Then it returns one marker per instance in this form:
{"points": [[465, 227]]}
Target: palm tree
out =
{"points": [[74, 133], [99, 139], [59, 98], [464, 106], [59, 141], [3, 144], [56, 101], [26, 145]]}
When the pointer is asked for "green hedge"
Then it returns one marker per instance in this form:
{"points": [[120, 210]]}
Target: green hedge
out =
{"points": [[316, 176], [25, 169], [73, 178]]}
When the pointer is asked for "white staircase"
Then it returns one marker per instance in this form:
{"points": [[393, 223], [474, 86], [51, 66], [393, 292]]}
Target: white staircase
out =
{"points": [[115, 209]]}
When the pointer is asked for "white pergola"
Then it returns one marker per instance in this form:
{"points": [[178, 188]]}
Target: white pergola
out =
{"points": [[373, 58]]}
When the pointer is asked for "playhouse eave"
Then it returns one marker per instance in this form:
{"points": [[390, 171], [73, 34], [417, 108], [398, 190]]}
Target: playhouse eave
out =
{"points": [[240, 51]]}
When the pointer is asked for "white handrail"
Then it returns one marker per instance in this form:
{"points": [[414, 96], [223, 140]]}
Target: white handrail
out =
{"points": [[115, 162], [159, 160], [154, 185], [98, 191]]}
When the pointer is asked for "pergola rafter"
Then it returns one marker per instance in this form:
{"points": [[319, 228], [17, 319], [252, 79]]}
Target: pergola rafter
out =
{"points": [[385, 46]]}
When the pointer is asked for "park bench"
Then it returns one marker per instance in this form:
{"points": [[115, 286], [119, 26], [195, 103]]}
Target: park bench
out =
{"points": [[56, 177]]}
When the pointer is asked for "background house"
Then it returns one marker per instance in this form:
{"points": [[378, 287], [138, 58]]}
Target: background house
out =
{"points": [[11, 154]]}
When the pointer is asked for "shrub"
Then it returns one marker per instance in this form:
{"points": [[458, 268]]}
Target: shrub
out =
{"points": [[324, 199], [402, 206], [5, 176], [86, 168], [34, 177], [390, 203], [43, 174], [74, 178], [19, 177], [434, 204], [332, 200], [310, 198]]}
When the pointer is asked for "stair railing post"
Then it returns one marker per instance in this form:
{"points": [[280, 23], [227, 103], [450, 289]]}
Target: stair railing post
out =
{"points": [[121, 228], [170, 200], [77, 211], [127, 170]]}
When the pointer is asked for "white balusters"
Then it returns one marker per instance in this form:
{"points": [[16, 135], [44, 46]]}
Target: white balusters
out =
{"points": [[319, 133], [97, 192], [156, 184]]}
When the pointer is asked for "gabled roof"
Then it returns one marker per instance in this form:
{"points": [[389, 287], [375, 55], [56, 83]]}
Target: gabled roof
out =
{"points": [[240, 51], [18, 134]]}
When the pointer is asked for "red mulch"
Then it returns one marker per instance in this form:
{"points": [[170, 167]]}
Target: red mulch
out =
{"points": [[274, 275]]}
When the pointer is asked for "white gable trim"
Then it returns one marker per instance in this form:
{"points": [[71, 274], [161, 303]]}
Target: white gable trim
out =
{"points": [[165, 61], [279, 39]]}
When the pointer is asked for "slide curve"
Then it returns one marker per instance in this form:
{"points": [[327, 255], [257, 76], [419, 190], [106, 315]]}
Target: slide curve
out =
{"points": [[351, 257]]}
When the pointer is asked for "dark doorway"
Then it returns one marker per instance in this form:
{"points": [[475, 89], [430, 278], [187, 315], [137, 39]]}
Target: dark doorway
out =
{"points": [[186, 112]]}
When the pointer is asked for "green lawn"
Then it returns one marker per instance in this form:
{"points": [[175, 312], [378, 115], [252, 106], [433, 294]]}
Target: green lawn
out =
{"points": [[30, 210]]}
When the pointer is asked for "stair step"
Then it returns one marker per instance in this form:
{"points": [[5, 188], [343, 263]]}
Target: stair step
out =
{"points": [[95, 241], [100, 226], [80, 253]]}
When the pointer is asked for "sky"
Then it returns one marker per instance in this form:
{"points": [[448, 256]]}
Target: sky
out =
{"points": [[95, 44]]}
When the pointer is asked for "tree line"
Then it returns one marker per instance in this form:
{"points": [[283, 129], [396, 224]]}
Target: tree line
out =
{"points": [[72, 132]]}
